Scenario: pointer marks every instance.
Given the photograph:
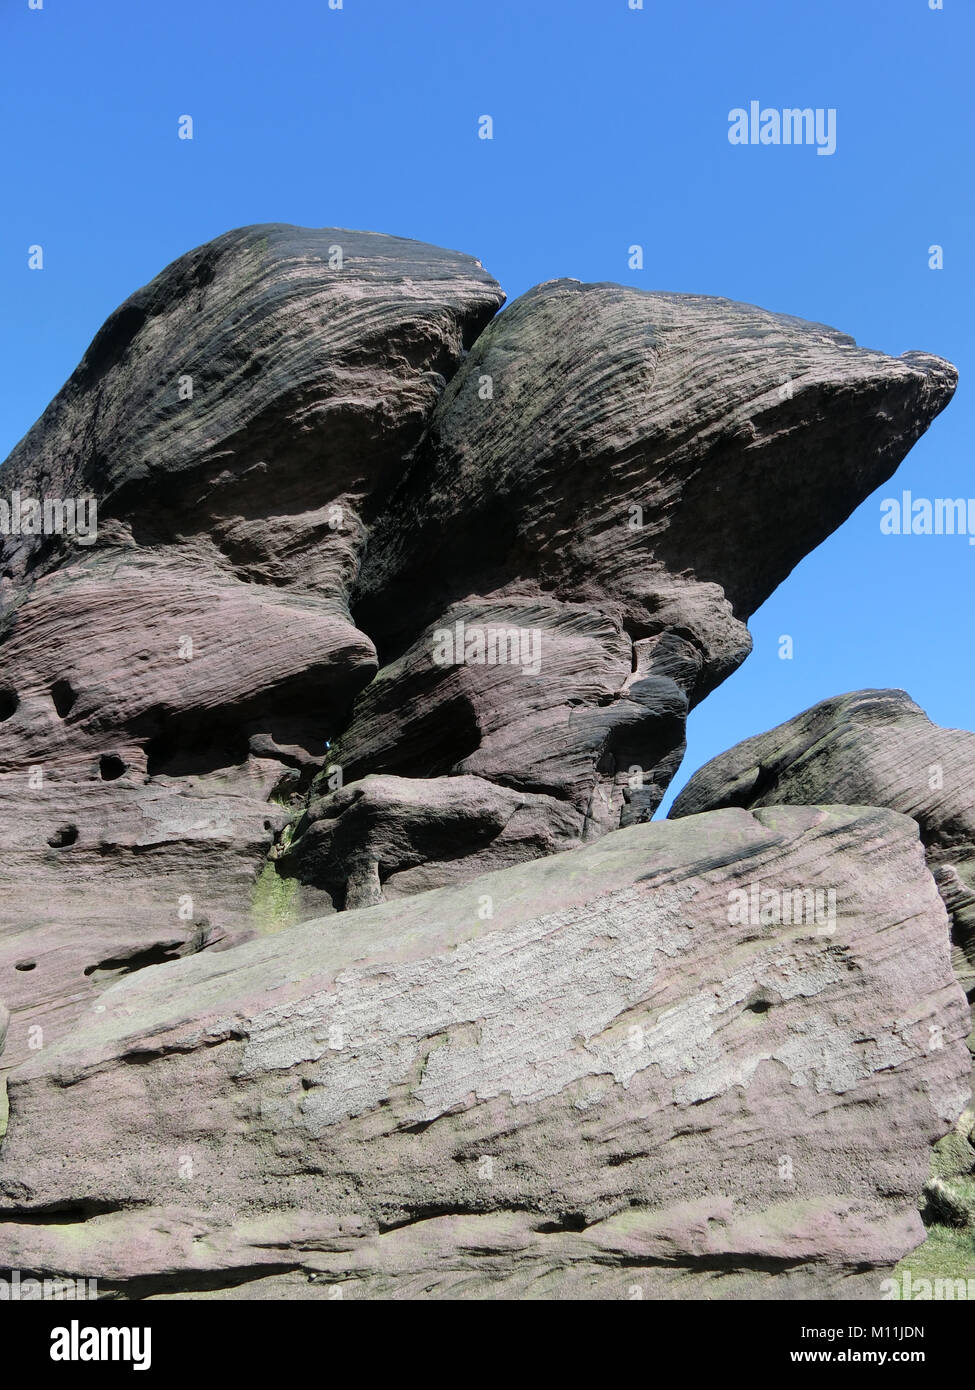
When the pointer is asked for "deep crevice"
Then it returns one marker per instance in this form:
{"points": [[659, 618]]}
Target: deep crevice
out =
{"points": [[62, 1213], [159, 954]]}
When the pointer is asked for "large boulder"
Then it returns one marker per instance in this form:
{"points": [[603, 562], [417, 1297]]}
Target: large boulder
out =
{"points": [[288, 426], [567, 564], [381, 837], [702, 1058], [389, 595], [865, 748], [878, 748], [167, 683]]}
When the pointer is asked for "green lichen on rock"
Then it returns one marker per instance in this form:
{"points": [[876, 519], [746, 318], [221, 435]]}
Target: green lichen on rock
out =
{"points": [[951, 1201], [950, 1192], [276, 900]]}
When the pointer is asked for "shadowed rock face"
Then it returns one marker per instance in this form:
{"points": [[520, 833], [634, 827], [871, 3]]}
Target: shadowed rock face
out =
{"points": [[604, 399], [421, 833], [608, 1079], [309, 379]]}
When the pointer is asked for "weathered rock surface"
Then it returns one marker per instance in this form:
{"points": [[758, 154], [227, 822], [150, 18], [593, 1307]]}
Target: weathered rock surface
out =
{"points": [[254, 425], [866, 748], [610, 1081], [387, 597], [382, 837], [165, 687], [878, 748], [567, 494]]}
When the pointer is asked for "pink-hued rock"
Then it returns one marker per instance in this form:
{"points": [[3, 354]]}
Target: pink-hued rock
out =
{"points": [[618, 479], [166, 688], [231, 734], [865, 748], [878, 748], [569, 1078]]}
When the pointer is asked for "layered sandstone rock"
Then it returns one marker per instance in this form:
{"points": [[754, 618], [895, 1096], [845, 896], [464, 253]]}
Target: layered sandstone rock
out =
{"points": [[588, 494], [167, 688], [866, 748], [878, 748], [567, 1079], [389, 597]]}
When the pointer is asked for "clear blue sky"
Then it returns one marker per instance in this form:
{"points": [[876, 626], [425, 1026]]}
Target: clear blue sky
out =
{"points": [[610, 129]]}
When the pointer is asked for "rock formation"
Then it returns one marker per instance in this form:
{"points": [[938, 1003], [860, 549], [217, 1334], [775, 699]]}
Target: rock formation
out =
{"points": [[876, 748], [167, 687], [391, 594], [867, 748], [289, 425], [564, 1079], [568, 487]]}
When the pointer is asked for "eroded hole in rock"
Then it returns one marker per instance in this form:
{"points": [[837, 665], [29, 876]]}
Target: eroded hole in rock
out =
{"points": [[66, 835], [8, 703], [758, 1004], [569, 1221], [291, 786], [440, 737], [26, 965], [64, 696], [110, 766]]}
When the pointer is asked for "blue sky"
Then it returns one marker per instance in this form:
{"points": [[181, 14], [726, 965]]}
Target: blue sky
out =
{"points": [[610, 128]]}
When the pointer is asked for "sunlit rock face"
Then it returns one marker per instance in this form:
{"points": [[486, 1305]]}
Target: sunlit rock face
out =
{"points": [[611, 484], [358, 659], [170, 682], [612, 1078], [878, 748]]}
